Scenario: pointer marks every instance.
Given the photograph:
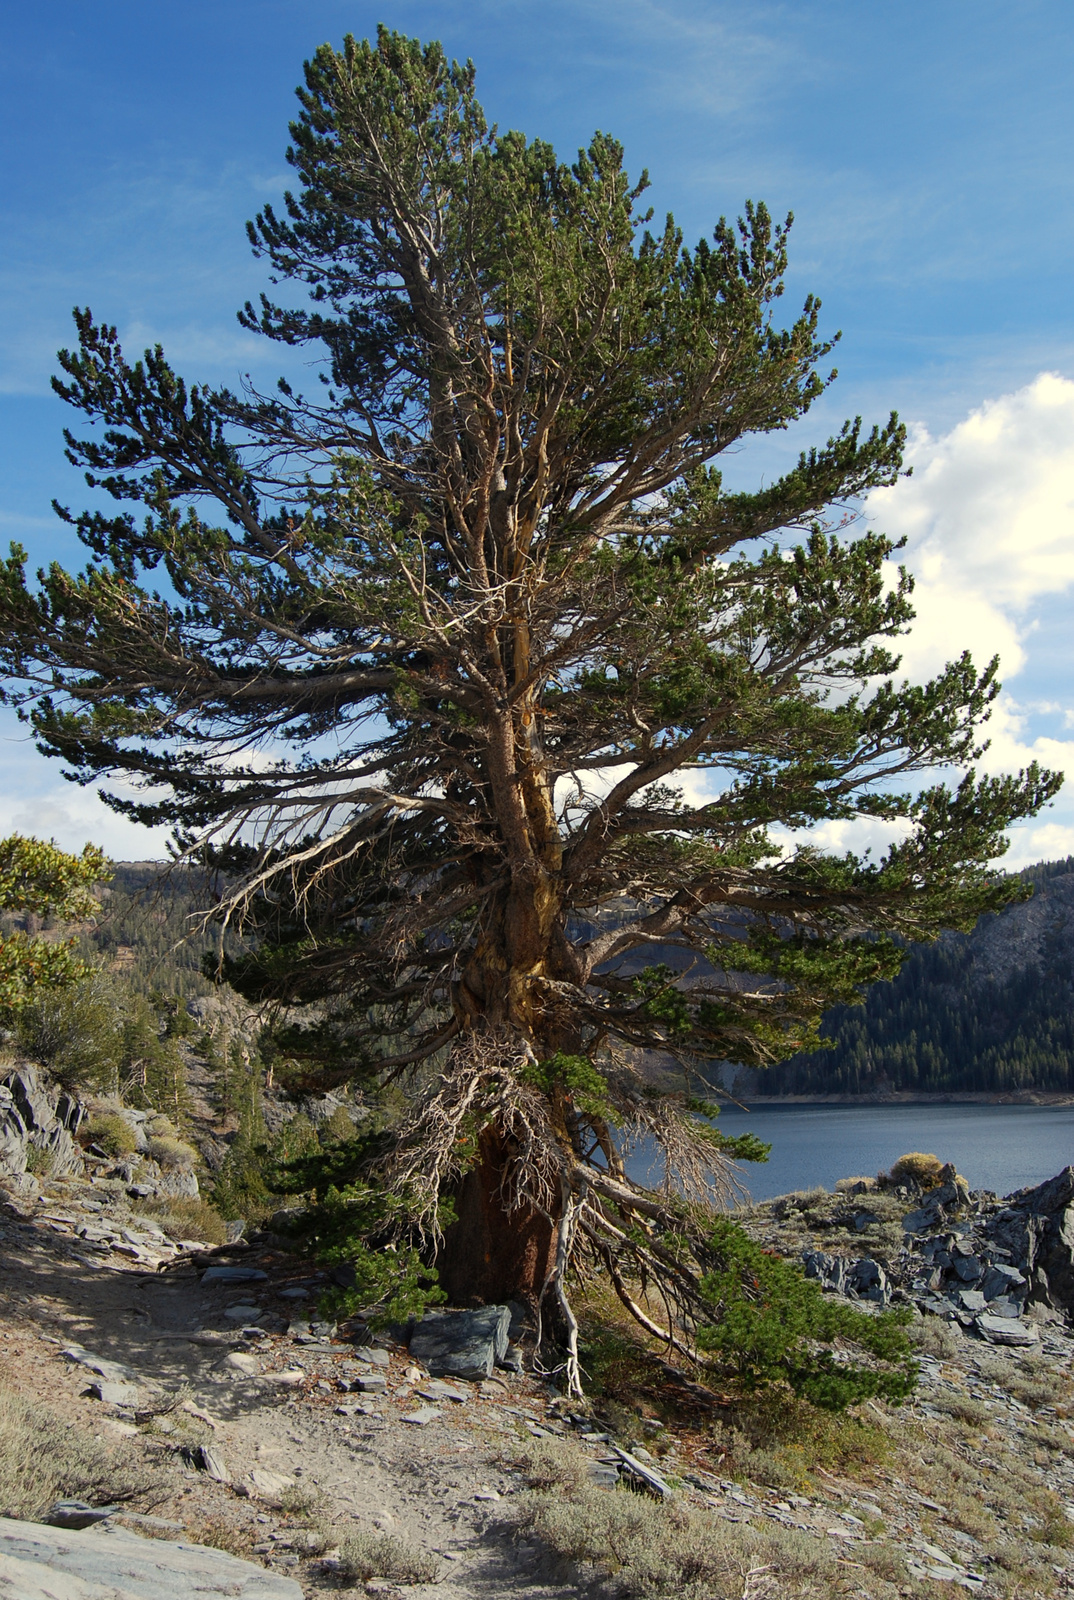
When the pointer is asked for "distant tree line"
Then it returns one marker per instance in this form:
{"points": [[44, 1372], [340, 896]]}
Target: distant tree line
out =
{"points": [[944, 1025]]}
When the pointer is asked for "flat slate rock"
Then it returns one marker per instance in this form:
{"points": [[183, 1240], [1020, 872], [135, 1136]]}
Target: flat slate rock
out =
{"points": [[422, 1416], [116, 1394], [438, 1390], [111, 1371], [461, 1344], [234, 1275], [43, 1563], [1006, 1330]]}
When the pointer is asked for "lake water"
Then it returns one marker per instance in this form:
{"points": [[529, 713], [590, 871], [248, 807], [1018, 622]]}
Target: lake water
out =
{"points": [[995, 1147]]}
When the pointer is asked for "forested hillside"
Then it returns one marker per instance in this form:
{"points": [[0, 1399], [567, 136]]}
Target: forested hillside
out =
{"points": [[147, 929], [989, 1011]]}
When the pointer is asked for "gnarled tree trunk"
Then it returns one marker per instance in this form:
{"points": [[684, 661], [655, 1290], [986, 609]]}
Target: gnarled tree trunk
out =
{"points": [[492, 1254]]}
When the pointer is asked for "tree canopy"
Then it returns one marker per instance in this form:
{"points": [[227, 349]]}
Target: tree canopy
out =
{"points": [[40, 880], [423, 658]]}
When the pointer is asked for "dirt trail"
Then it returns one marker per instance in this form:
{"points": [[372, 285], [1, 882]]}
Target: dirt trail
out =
{"points": [[441, 1485]]}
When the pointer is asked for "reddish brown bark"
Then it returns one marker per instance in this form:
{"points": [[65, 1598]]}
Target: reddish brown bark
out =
{"points": [[490, 1254]]}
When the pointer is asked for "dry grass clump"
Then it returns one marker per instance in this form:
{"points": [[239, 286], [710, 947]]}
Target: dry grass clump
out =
{"points": [[934, 1337], [43, 1458], [964, 1408], [183, 1218], [111, 1132], [1033, 1380], [655, 1550], [222, 1534], [301, 1500], [917, 1167], [364, 1555], [171, 1154], [858, 1185]]}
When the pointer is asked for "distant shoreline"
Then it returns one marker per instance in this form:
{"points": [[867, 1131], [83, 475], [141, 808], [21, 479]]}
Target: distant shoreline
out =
{"points": [[1018, 1097]]}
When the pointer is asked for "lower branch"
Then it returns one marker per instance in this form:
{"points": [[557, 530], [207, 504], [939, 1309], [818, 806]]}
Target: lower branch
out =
{"points": [[665, 1335], [556, 1280]]}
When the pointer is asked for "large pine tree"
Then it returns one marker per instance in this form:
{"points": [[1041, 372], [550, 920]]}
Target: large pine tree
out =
{"points": [[422, 655]]}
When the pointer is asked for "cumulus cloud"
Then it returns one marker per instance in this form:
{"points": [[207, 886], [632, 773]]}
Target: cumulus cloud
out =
{"points": [[988, 517], [36, 800]]}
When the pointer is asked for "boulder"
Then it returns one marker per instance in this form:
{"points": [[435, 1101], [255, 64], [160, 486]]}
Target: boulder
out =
{"points": [[967, 1269], [461, 1344], [1006, 1330], [234, 1275], [830, 1270], [1048, 1228], [1001, 1280], [178, 1183], [38, 1562], [868, 1281]]}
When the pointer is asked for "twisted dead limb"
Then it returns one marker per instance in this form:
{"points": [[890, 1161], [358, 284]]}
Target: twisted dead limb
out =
{"points": [[566, 1228]]}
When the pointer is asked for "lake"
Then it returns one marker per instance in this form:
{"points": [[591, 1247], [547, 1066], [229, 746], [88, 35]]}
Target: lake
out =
{"points": [[994, 1147]]}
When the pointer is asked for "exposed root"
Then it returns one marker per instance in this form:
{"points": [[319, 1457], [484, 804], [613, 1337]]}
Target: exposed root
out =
{"points": [[477, 1087]]}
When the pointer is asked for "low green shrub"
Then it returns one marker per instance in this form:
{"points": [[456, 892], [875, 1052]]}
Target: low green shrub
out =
{"points": [[352, 1226], [769, 1324], [111, 1132]]}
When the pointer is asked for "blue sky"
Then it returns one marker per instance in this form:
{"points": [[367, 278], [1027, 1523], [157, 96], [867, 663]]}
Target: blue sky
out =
{"points": [[925, 150]]}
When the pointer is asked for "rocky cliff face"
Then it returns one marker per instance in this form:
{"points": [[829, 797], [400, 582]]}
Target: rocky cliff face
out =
{"points": [[37, 1129]]}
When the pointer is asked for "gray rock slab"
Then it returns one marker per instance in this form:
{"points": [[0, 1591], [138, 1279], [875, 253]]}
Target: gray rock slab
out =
{"points": [[1000, 1280], [116, 1394], [242, 1313], [422, 1416], [973, 1300], [77, 1514], [373, 1354], [371, 1383], [461, 1344], [638, 1469], [1006, 1330], [1004, 1306], [44, 1563], [234, 1275], [438, 1390], [113, 1371]]}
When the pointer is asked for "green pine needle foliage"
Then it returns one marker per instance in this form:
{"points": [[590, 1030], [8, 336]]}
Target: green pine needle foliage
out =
{"points": [[771, 1324]]}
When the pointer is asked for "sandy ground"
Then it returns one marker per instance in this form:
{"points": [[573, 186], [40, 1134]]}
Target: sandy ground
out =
{"points": [[441, 1486]]}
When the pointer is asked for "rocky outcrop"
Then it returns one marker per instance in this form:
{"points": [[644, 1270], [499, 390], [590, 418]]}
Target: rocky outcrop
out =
{"points": [[999, 1266], [31, 1119], [38, 1562]]}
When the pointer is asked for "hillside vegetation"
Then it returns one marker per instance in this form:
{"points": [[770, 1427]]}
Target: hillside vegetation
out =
{"points": [[991, 1011]]}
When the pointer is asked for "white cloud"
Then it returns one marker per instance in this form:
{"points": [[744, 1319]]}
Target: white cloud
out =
{"points": [[73, 817], [1048, 841], [1011, 746], [989, 521], [36, 800]]}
